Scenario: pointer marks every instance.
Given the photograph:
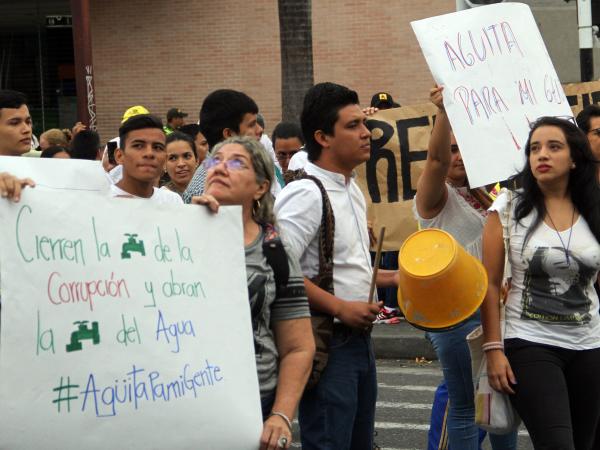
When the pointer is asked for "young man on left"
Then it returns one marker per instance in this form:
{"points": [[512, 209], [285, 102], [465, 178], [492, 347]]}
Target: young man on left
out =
{"points": [[15, 138], [15, 124]]}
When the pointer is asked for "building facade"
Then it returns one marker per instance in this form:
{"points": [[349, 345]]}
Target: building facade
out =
{"points": [[172, 54]]}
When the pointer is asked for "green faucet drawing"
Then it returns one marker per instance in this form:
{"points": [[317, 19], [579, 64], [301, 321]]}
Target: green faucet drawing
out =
{"points": [[132, 245], [83, 332]]}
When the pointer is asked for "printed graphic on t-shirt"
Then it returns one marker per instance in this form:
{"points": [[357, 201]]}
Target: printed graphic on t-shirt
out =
{"points": [[257, 295], [554, 289]]}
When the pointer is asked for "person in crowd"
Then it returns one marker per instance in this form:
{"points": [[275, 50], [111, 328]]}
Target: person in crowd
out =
{"points": [[287, 141], [383, 100], [299, 160], [111, 167], [142, 156], [224, 113], [339, 411], [86, 145], [193, 130], [56, 151], [390, 313], [15, 123], [181, 161], [175, 120], [549, 360], [588, 120], [268, 145], [264, 137], [444, 200], [53, 137], [239, 172]]}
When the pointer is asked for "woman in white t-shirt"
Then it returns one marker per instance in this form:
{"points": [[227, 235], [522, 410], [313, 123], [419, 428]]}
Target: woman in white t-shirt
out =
{"points": [[550, 358]]}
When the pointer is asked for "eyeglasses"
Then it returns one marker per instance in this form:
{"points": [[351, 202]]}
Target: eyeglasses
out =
{"points": [[231, 164], [595, 131], [282, 156]]}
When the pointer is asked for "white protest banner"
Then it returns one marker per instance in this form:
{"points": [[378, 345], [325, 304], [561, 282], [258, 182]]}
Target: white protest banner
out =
{"points": [[497, 77], [113, 331], [58, 174]]}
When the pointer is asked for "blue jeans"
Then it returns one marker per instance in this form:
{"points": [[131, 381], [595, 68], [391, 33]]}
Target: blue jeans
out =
{"points": [[453, 352], [389, 261], [339, 412]]}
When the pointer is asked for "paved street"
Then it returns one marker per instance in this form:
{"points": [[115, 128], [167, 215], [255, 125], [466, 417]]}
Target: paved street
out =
{"points": [[404, 405]]}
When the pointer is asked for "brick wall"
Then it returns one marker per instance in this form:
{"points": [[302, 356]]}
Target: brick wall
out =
{"points": [[369, 45], [172, 54]]}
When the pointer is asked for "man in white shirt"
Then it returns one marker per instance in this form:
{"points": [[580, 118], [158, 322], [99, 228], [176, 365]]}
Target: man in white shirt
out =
{"points": [[143, 156], [339, 412]]}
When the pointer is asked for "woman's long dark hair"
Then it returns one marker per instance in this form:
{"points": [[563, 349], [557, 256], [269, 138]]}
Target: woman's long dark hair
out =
{"points": [[583, 184]]}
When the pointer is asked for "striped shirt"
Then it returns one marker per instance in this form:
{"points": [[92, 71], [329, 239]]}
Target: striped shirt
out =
{"points": [[196, 186]]}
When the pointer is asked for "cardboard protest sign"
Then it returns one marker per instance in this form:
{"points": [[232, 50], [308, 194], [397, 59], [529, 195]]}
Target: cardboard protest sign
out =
{"points": [[389, 179], [580, 95], [497, 77], [112, 326], [400, 137], [75, 174]]}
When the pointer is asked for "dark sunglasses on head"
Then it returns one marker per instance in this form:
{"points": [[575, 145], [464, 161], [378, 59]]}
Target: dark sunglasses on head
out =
{"points": [[567, 118]]}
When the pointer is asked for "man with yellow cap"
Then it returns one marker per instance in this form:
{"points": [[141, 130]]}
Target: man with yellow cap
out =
{"points": [[134, 111], [115, 172]]}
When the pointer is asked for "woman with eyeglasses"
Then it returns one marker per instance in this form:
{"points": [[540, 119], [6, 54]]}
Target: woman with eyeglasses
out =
{"points": [[240, 172], [549, 360], [444, 200]]}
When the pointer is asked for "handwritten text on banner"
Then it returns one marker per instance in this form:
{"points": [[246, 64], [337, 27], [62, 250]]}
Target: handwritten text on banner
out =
{"points": [[113, 332]]}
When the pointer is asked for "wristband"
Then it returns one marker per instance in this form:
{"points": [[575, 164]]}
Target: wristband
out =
{"points": [[496, 345], [487, 344], [284, 417], [489, 349]]}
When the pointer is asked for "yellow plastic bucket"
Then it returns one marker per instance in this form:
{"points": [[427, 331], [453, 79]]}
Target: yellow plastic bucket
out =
{"points": [[441, 285]]}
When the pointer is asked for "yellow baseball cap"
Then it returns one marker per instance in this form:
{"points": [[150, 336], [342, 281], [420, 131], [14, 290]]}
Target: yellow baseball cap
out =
{"points": [[134, 111]]}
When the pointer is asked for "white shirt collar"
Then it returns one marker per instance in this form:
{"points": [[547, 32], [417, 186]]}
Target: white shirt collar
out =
{"points": [[335, 177]]}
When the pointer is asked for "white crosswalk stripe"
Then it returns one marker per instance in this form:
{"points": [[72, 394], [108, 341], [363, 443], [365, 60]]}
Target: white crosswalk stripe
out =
{"points": [[407, 387], [410, 371], [404, 405], [297, 445], [415, 426]]}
